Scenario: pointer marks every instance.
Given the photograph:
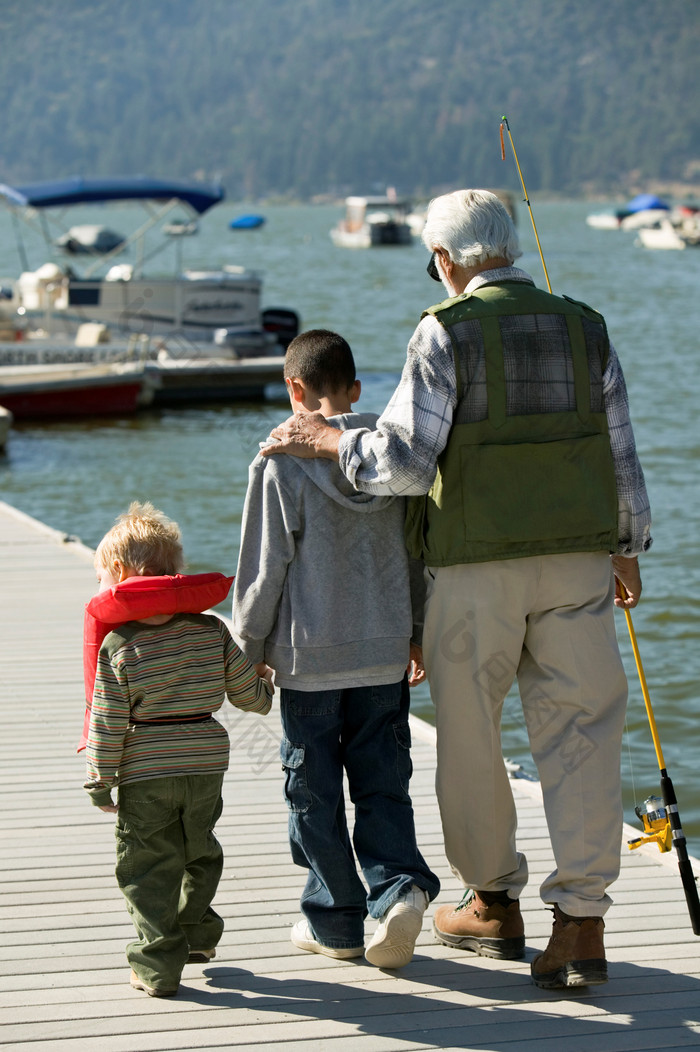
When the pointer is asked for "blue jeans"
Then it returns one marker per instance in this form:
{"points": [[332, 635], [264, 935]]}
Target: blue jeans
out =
{"points": [[364, 731], [168, 867]]}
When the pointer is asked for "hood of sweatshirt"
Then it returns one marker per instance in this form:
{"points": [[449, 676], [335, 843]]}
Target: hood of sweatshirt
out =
{"points": [[326, 474]]}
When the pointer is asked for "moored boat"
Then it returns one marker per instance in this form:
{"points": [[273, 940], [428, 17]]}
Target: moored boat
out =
{"points": [[641, 211], [173, 372], [75, 389], [247, 222], [373, 221], [190, 303], [114, 339], [679, 230]]}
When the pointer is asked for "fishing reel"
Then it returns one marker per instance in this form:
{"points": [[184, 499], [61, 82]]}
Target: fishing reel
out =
{"points": [[657, 825]]}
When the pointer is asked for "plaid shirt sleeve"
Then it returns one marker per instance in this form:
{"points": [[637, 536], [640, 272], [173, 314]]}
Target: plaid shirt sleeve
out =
{"points": [[634, 516], [400, 457]]}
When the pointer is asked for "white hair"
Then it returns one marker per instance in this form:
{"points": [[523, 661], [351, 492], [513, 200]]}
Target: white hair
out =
{"points": [[471, 226]]}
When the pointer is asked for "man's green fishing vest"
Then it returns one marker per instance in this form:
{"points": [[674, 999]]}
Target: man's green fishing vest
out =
{"points": [[535, 483]]}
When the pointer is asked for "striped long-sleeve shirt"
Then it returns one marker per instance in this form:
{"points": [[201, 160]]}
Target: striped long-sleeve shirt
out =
{"points": [[400, 456], [155, 691]]}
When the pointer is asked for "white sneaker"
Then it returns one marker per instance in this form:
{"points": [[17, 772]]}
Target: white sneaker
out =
{"points": [[393, 942], [302, 936]]}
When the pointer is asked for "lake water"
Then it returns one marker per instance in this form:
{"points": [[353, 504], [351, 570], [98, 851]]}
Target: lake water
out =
{"points": [[77, 476]]}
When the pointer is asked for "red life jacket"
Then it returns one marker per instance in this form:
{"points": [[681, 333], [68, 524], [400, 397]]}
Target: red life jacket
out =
{"points": [[136, 598]]}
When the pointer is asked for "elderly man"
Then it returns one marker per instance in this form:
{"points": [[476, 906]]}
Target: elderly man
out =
{"points": [[511, 422]]}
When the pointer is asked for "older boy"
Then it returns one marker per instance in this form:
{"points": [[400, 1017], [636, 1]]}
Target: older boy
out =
{"points": [[322, 596], [158, 682]]}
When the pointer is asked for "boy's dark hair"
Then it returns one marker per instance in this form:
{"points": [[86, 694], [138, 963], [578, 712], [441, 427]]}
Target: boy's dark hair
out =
{"points": [[322, 360]]}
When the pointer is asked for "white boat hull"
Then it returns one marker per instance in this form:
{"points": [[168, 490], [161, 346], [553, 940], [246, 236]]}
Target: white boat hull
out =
{"points": [[194, 306], [684, 233], [603, 221], [648, 217], [371, 235], [660, 237], [373, 221]]}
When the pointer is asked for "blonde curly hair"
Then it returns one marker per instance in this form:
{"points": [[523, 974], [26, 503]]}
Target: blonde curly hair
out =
{"points": [[144, 540]]}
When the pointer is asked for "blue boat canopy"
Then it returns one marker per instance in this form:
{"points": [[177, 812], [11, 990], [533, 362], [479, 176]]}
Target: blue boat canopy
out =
{"points": [[642, 202], [78, 190]]}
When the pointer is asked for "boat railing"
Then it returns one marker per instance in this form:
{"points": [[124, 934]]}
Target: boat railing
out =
{"points": [[138, 238], [138, 347]]}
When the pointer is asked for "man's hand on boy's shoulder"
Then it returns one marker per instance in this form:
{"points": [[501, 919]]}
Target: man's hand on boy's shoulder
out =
{"points": [[416, 668], [305, 435]]}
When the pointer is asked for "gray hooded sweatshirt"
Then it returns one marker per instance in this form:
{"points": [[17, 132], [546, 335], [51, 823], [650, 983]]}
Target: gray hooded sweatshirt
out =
{"points": [[322, 587]]}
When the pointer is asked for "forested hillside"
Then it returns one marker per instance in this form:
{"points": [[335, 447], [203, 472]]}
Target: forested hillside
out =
{"points": [[305, 97]]}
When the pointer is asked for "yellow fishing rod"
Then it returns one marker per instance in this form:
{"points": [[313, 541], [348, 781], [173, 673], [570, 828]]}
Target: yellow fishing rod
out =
{"points": [[662, 825], [506, 125]]}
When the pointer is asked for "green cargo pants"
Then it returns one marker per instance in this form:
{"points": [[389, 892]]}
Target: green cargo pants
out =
{"points": [[168, 867]]}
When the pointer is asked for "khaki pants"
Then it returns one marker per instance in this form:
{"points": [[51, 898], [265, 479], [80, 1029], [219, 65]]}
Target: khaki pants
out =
{"points": [[547, 620]]}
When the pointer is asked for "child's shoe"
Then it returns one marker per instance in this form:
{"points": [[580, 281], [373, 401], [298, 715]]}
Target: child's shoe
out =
{"points": [[394, 940], [201, 956], [152, 991], [303, 937]]}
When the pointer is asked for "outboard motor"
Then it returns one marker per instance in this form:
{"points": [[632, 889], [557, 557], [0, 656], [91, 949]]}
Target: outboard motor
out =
{"points": [[283, 323]]}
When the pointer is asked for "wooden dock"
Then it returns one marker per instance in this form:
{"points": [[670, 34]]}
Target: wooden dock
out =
{"points": [[65, 982]]}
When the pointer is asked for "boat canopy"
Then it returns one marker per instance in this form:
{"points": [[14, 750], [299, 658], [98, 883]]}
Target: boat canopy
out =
{"points": [[643, 202], [78, 190]]}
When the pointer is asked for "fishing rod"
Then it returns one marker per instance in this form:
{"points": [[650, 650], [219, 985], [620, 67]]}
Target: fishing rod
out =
{"points": [[506, 125], [662, 825]]}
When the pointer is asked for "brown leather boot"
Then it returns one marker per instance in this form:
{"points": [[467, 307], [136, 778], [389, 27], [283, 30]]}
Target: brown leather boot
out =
{"points": [[575, 955], [482, 924]]}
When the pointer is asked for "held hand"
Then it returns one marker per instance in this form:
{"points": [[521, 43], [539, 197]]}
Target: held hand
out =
{"points": [[266, 673], [628, 581], [305, 435], [416, 668]]}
